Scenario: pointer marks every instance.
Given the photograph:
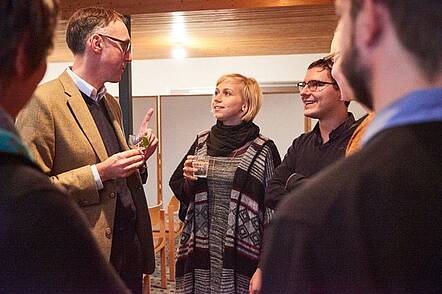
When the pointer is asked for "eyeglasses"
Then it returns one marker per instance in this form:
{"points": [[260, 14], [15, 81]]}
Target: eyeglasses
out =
{"points": [[313, 85], [125, 45]]}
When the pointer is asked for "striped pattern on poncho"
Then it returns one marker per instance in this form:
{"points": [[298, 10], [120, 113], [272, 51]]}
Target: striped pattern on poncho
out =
{"points": [[246, 219]]}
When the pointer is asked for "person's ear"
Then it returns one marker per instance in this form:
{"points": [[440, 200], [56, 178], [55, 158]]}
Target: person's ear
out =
{"points": [[22, 69], [370, 23], [96, 43]]}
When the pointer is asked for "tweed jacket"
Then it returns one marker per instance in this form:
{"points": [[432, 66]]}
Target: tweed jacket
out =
{"points": [[62, 135]]}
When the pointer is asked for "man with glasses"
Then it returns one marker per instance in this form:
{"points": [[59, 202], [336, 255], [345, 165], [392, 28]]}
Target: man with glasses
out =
{"points": [[45, 243], [314, 150], [125, 44], [326, 143], [73, 128]]}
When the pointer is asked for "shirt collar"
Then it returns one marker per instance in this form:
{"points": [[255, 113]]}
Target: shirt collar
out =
{"points": [[87, 88], [344, 126], [336, 133], [417, 107]]}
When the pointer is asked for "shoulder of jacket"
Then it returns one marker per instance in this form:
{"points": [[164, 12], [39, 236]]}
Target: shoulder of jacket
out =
{"points": [[263, 140], [50, 93], [202, 136], [45, 89]]}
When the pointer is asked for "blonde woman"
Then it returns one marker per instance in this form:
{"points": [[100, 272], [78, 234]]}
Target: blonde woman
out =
{"points": [[222, 237]]}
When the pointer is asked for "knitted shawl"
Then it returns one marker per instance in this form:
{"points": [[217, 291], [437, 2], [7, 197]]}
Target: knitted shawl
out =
{"points": [[246, 220]]}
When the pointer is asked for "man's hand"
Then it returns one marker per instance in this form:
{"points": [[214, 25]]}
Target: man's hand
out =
{"points": [[145, 123], [120, 165], [144, 131], [153, 144]]}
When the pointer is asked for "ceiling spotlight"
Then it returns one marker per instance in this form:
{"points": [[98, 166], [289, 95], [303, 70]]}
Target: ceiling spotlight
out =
{"points": [[179, 53]]}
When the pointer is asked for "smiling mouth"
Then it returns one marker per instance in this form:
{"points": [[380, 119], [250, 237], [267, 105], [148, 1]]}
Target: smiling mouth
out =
{"points": [[217, 107], [309, 102]]}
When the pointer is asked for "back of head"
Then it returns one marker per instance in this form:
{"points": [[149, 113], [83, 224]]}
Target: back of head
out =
{"points": [[337, 36], [28, 23], [86, 21], [418, 25], [251, 94]]}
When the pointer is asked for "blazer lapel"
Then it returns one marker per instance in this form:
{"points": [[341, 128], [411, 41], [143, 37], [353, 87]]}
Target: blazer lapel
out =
{"points": [[116, 122], [83, 116]]}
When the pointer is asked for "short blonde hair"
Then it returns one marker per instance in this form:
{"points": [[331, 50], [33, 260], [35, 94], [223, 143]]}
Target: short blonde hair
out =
{"points": [[251, 94]]}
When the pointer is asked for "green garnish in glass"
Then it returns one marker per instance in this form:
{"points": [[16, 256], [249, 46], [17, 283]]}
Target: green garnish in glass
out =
{"points": [[144, 142]]}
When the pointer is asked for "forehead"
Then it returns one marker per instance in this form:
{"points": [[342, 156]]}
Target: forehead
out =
{"points": [[117, 29], [317, 73], [230, 83]]}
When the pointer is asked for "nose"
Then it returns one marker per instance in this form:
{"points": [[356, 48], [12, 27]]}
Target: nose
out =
{"points": [[305, 91], [217, 97], [128, 56], [334, 72]]}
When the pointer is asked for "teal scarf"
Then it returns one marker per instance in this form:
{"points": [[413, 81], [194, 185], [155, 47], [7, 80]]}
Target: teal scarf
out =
{"points": [[11, 143]]}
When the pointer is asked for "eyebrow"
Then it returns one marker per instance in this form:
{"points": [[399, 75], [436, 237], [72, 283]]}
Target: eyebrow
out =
{"points": [[225, 88]]}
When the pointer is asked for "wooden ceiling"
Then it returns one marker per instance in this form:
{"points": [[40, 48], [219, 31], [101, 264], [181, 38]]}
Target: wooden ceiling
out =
{"points": [[215, 28]]}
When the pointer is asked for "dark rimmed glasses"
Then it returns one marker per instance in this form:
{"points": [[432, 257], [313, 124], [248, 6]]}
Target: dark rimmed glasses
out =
{"points": [[314, 85], [125, 45]]}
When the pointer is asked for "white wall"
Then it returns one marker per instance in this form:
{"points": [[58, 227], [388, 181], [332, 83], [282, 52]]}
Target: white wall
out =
{"points": [[164, 76], [183, 116], [169, 76], [281, 119]]}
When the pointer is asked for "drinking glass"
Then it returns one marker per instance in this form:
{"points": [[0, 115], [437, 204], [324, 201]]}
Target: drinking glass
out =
{"points": [[201, 163], [133, 141], [138, 142]]}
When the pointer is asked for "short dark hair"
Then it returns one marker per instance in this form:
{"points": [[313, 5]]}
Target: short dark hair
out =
{"points": [[86, 21], [418, 24], [325, 63], [30, 21]]}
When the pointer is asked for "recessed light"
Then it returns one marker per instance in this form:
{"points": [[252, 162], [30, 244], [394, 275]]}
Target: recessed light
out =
{"points": [[179, 53]]}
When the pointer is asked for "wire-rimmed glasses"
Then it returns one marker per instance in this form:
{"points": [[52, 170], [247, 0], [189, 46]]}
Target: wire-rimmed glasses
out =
{"points": [[125, 44], [314, 85]]}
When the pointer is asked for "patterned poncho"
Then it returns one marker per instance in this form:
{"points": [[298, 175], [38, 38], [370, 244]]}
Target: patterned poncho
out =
{"points": [[246, 220]]}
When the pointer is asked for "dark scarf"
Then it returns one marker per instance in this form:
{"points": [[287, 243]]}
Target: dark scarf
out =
{"points": [[223, 140]]}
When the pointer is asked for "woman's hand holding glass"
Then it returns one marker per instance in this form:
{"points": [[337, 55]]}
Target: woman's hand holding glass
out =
{"points": [[188, 169], [196, 167]]}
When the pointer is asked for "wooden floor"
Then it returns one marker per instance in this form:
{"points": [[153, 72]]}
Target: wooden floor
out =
{"points": [[156, 279]]}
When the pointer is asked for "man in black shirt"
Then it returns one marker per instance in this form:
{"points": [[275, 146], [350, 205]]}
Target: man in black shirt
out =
{"points": [[314, 150], [326, 143]]}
